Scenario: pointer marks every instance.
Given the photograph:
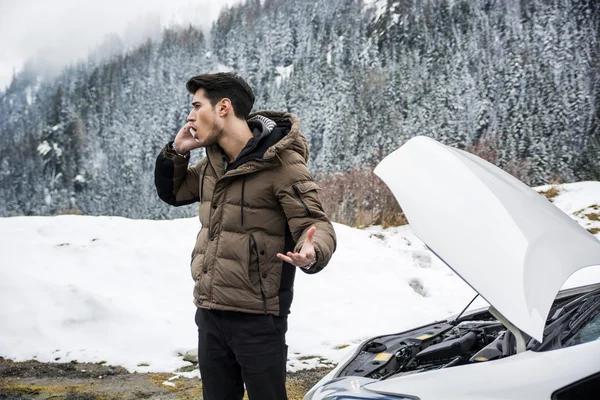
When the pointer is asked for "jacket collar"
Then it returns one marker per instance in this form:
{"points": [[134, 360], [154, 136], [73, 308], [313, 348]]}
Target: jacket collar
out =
{"points": [[283, 130]]}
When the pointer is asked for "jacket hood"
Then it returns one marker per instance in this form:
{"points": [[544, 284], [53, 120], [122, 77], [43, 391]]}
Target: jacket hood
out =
{"points": [[263, 136], [289, 136], [505, 240], [274, 132]]}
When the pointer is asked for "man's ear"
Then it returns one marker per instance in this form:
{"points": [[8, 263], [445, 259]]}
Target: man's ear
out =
{"points": [[224, 107]]}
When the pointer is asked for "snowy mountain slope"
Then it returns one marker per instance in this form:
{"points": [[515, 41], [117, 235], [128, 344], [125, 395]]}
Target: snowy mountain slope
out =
{"points": [[362, 79], [119, 290]]}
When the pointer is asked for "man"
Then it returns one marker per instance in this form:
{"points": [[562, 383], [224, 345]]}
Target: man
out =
{"points": [[261, 219]]}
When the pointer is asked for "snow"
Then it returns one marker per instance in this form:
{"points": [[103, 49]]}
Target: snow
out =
{"points": [[57, 149], [220, 67], [378, 5], [47, 197], [283, 73], [119, 290], [581, 201], [574, 197], [29, 95], [43, 148]]}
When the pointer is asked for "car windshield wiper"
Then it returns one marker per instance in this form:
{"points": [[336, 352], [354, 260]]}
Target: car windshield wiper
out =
{"points": [[580, 319], [559, 313], [567, 314]]}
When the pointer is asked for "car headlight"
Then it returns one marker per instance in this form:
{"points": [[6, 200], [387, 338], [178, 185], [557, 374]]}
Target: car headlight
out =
{"points": [[349, 388]]}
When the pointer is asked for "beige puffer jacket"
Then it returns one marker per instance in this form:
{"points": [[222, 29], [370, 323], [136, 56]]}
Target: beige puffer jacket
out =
{"points": [[261, 205]]}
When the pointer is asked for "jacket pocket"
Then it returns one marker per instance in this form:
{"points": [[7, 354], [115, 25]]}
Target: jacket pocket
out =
{"points": [[197, 266], [301, 189], [254, 268]]}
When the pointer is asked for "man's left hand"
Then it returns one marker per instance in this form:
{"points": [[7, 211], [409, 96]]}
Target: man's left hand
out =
{"points": [[306, 254]]}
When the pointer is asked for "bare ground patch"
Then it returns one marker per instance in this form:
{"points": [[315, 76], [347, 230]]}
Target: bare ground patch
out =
{"points": [[33, 380], [550, 193]]}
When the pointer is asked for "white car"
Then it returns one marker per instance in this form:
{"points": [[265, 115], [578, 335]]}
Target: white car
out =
{"points": [[516, 249]]}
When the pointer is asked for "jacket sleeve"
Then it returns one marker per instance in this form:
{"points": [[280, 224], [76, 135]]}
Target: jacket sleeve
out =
{"points": [[176, 184], [299, 197]]}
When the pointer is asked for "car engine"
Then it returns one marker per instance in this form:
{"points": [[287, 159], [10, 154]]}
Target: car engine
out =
{"points": [[477, 337], [439, 345]]}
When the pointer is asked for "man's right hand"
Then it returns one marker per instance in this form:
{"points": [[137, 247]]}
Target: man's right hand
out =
{"points": [[185, 141]]}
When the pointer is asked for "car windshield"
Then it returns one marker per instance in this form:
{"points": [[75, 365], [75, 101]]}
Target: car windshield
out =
{"points": [[589, 332]]}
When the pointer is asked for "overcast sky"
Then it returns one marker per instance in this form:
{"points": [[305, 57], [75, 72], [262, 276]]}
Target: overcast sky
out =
{"points": [[58, 32]]}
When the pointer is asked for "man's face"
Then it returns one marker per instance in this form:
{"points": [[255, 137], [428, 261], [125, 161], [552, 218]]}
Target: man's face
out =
{"points": [[205, 120]]}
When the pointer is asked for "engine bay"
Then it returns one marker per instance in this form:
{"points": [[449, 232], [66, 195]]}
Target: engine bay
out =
{"points": [[476, 337], [434, 346]]}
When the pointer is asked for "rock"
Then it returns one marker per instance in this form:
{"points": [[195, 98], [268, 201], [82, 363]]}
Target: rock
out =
{"points": [[191, 356]]}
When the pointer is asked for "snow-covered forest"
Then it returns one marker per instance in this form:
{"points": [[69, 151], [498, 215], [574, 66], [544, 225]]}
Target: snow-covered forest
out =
{"points": [[516, 81]]}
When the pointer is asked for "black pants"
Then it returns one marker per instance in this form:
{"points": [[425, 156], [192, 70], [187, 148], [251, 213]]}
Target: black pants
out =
{"points": [[237, 348]]}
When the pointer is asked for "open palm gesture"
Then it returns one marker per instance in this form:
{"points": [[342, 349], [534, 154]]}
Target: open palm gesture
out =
{"points": [[306, 254]]}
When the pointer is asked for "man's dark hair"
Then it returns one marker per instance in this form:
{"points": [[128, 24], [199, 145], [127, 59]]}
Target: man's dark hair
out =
{"points": [[224, 84]]}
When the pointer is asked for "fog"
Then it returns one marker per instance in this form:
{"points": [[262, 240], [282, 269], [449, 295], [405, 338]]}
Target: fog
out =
{"points": [[47, 35]]}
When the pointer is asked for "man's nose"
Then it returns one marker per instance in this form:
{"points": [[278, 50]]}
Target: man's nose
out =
{"points": [[190, 116]]}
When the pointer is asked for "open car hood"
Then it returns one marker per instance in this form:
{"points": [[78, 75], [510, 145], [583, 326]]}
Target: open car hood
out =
{"points": [[508, 242]]}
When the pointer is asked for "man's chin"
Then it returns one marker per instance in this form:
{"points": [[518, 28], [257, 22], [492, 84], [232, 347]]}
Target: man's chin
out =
{"points": [[209, 141]]}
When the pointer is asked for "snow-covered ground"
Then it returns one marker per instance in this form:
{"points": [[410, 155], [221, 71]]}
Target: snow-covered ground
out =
{"points": [[119, 290]]}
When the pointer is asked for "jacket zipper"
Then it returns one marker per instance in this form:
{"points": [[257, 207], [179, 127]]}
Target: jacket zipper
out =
{"points": [[253, 247], [297, 191]]}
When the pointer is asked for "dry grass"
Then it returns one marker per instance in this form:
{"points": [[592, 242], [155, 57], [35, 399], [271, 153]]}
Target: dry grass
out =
{"points": [[297, 384], [359, 198], [71, 211], [307, 357], [550, 193], [66, 392], [8, 391], [488, 147], [593, 216], [342, 346], [157, 380], [134, 386]]}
